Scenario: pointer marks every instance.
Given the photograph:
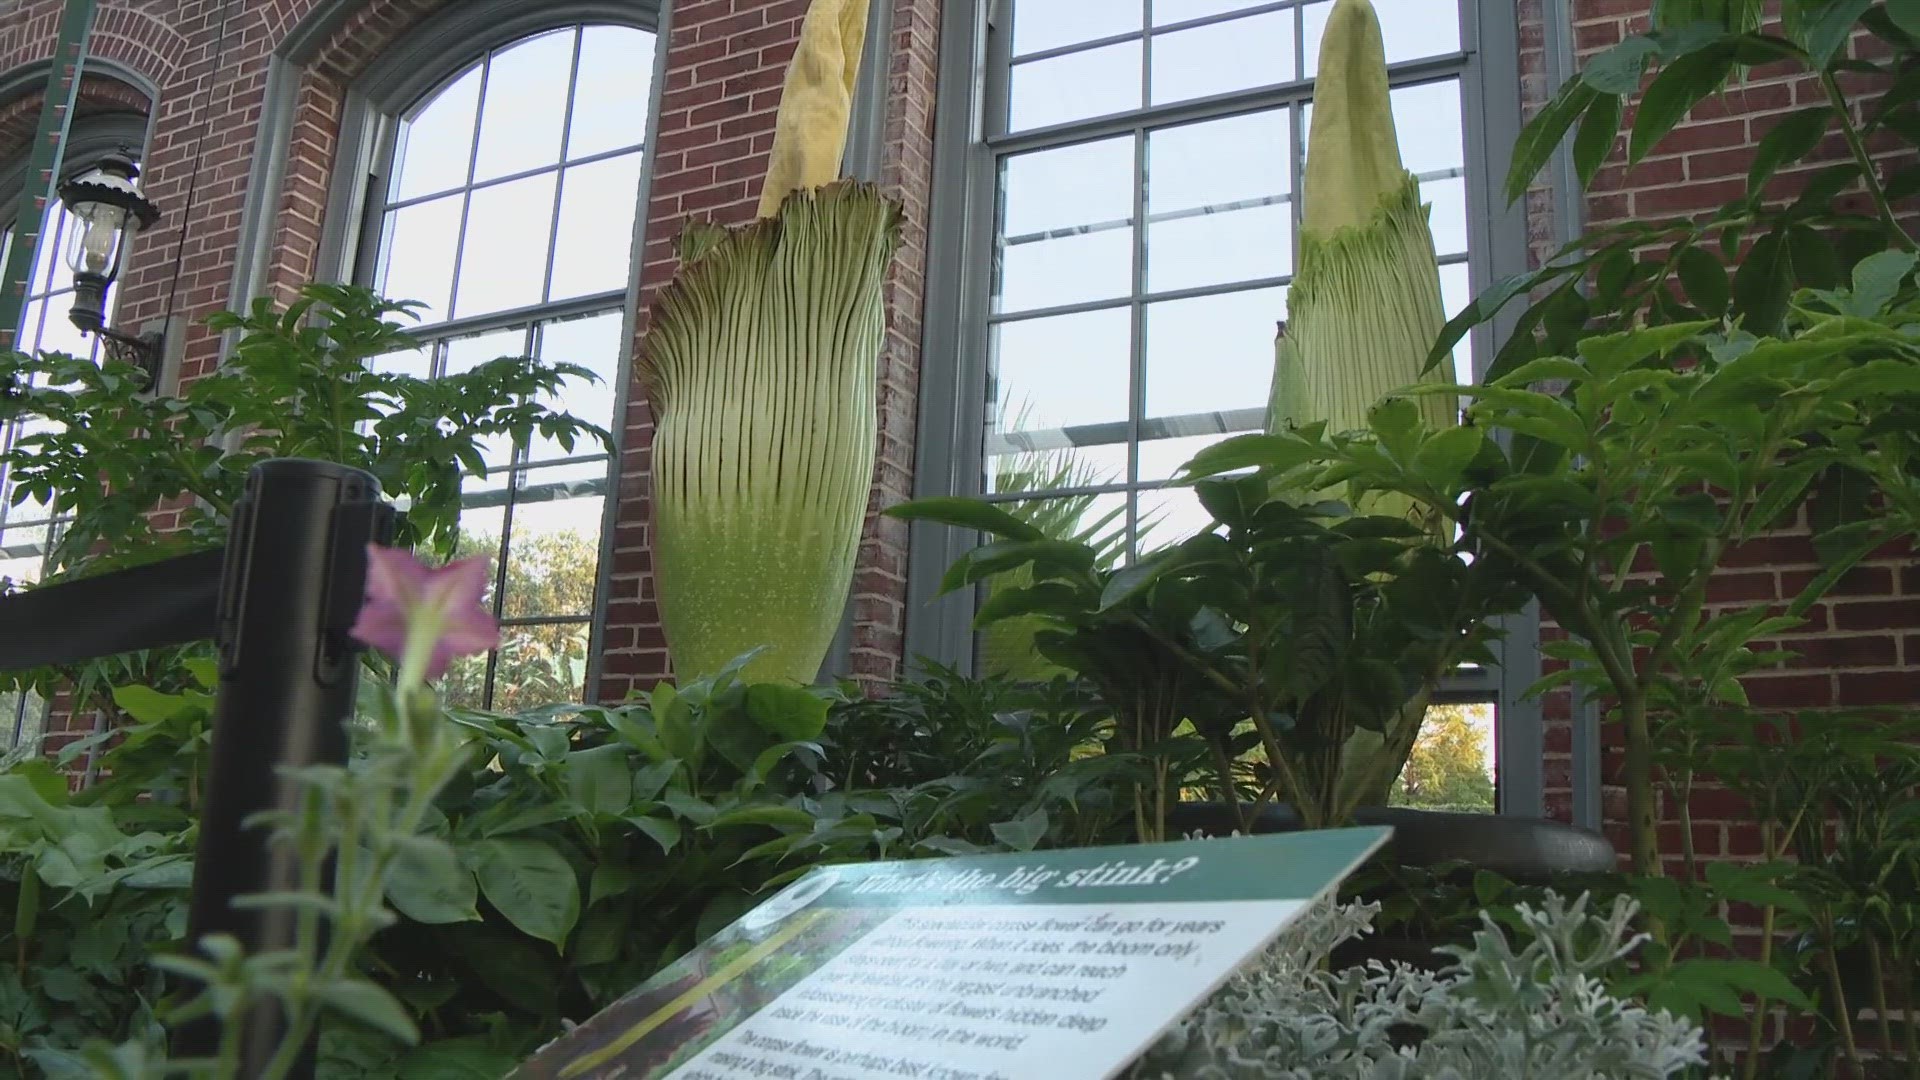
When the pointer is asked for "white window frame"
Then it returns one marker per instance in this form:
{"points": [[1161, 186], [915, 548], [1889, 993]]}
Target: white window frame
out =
{"points": [[973, 78]]}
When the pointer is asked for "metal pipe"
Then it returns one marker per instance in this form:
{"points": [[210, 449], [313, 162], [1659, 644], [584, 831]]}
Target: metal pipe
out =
{"points": [[293, 580]]}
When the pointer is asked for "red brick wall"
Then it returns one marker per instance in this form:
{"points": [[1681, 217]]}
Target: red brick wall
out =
{"points": [[1859, 647]]}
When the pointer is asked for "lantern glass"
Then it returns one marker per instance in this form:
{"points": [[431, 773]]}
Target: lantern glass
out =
{"points": [[98, 236]]}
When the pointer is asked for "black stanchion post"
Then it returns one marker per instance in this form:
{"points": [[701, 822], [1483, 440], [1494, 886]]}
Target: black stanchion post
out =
{"points": [[294, 576]]}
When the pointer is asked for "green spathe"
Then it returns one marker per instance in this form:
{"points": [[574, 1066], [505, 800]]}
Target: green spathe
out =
{"points": [[1365, 305], [760, 366]]}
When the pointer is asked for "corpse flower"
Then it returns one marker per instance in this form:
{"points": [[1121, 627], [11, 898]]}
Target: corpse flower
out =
{"points": [[424, 616]]}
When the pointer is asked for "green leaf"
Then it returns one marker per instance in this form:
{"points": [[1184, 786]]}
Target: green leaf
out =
{"points": [[150, 706], [663, 831], [1828, 30], [1542, 135], [649, 782], [1618, 71], [1129, 582], [1905, 15], [426, 883], [455, 1060], [531, 884], [1762, 284], [1672, 94], [967, 514], [1005, 555], [1396, 424], [600, 779], [1009, 602], [1760, 980], [790, 712], [1594, 141], [1876, 279], [370, 1005], [1792, 139], [1705, 280], [1022, 833], [690, 807], [1273, 453], [611, 879], [779, 817], [1232, 500], [1445, 456]]}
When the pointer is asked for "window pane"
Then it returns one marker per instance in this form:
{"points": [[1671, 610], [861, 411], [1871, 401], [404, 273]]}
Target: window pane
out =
{"points": [[1049, 24], [22, 556], [1454, 761], [1223, 57], [482, 520], [504, 262], [540, 665], [1411, 29], [594, 249], [592, 343], [1073, 87], [553, 561], [1160, 459], [464, 686], [436, 145], [1212, 353], [1069, 188], [1065, 371], [465, 354], [1042, 272], [613, 90], [1006, 648], [1168, 516], [1456, 292], [416, 255], [1448, 214], [50, 270], [526, 99], [1166, 12], [33, 317], [1427, 120], [57, 332], [1217, 201], [1020, 462], [1066, 226]]}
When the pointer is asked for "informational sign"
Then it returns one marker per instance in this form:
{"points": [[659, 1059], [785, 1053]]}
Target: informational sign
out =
{"points": [[1061, 965]]}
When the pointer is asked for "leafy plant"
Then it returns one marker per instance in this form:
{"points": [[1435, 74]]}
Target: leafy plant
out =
{"points": [[1617, 499], [979, 763], [1285, 629], [1805, 220], [1526, 1003], [299, 382], [1006, 647]]}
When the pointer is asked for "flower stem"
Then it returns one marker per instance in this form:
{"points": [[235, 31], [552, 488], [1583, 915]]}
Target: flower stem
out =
{"points": [[1865, 160]]}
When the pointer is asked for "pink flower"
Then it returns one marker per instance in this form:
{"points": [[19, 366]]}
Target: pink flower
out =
{"points": [[425, 616]]}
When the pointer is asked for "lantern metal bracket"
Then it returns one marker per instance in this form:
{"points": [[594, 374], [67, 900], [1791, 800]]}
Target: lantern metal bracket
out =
{"points": [[144, 351]]}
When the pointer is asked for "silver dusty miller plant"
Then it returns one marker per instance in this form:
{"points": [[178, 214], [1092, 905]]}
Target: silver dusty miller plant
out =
{"points": [[1496, 1012]]}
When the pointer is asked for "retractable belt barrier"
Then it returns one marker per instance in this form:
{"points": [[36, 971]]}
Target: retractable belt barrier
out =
{"points": [[277, 602]]}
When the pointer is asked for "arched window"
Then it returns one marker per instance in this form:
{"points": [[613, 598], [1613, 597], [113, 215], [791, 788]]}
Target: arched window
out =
{"points": [[504, 200], [28, 529]]}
